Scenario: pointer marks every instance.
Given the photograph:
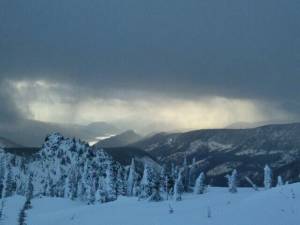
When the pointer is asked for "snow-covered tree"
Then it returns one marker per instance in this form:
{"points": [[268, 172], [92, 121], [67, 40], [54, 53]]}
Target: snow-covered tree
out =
{"points": [[156, 196], [267, 177], [178, 188], [121, 182], [163, 181], [30, 188], [2, 176], [136, 189], [185, 174], [146, 183], [131, 179], [199, 185], [49, 186], [232, 181], [110, 184], [193, 172], [279, 181], [9, 186]]}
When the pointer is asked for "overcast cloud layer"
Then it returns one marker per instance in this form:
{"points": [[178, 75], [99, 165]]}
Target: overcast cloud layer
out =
{"points": [[137, 57]]}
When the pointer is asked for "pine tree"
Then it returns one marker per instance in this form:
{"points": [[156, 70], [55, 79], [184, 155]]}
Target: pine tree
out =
{"points": [[199, 185], [267, 177], [163, 181], [279, 181], [121, 182], [136, 189], [131, 179], [49, 187], [2, 176], [110, 184], [155, 196], [101, 195], [185, 174], [146, 184], [8, 182], [91, 192], [232, 181], [193, 172], [30, 188], [71, 185], [178, 188]]}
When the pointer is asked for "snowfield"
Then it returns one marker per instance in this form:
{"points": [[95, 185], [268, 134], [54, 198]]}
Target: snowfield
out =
{"points": [[277, 206]]}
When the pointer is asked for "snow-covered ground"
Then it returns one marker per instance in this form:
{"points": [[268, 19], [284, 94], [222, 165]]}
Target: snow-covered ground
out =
{"points": [[278, 206]]}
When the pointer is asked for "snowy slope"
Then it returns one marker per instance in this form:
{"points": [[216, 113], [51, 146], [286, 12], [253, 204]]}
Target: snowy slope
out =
{"points": [[278, 206]]}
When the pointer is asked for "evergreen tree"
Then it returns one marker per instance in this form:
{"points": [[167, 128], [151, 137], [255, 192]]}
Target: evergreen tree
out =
{"points": [[110, 184], [155, 196], [49, 187], [91, 192], [122, 182], [8, 182], [185, 174], [30, 188], [101, 195], [178, 188], [71, 187], [163, 181], [146, 184], [279, 181], [267, 177], [136, 189], [2, 176], [193, 172], [199, 185], [131, 179], [232, 181]]}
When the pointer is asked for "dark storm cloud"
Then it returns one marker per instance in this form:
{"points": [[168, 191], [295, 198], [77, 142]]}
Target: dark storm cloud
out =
{"points": [[9, 111], [238, 48]]}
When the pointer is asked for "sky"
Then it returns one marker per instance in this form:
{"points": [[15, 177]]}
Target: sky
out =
{"points": [[168, 64]]}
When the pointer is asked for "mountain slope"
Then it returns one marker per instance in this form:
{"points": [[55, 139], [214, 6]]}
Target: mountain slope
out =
{"points": [[219, 151], [122, 139], [5, 143], [32, 133]]}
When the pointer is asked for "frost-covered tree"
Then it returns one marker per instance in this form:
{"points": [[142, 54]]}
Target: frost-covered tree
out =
{"points": [[110, 184], [156, 196], [193, 173], [163, 181], [279, 181], [30, 188], [9, 186], [185, 174], [101, 195], [2, 176], [121, 182], [90, 192], [136, 189], [146, 183], [267, 177], [49, 186], [199, 185], [71, 184], [178, 188], [232, 181], [131, 178]]}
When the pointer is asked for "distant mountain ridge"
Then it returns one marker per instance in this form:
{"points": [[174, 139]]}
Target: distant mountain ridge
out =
{"points": [[32, 133], [5, 143], [123, 139], [219, 151]]}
